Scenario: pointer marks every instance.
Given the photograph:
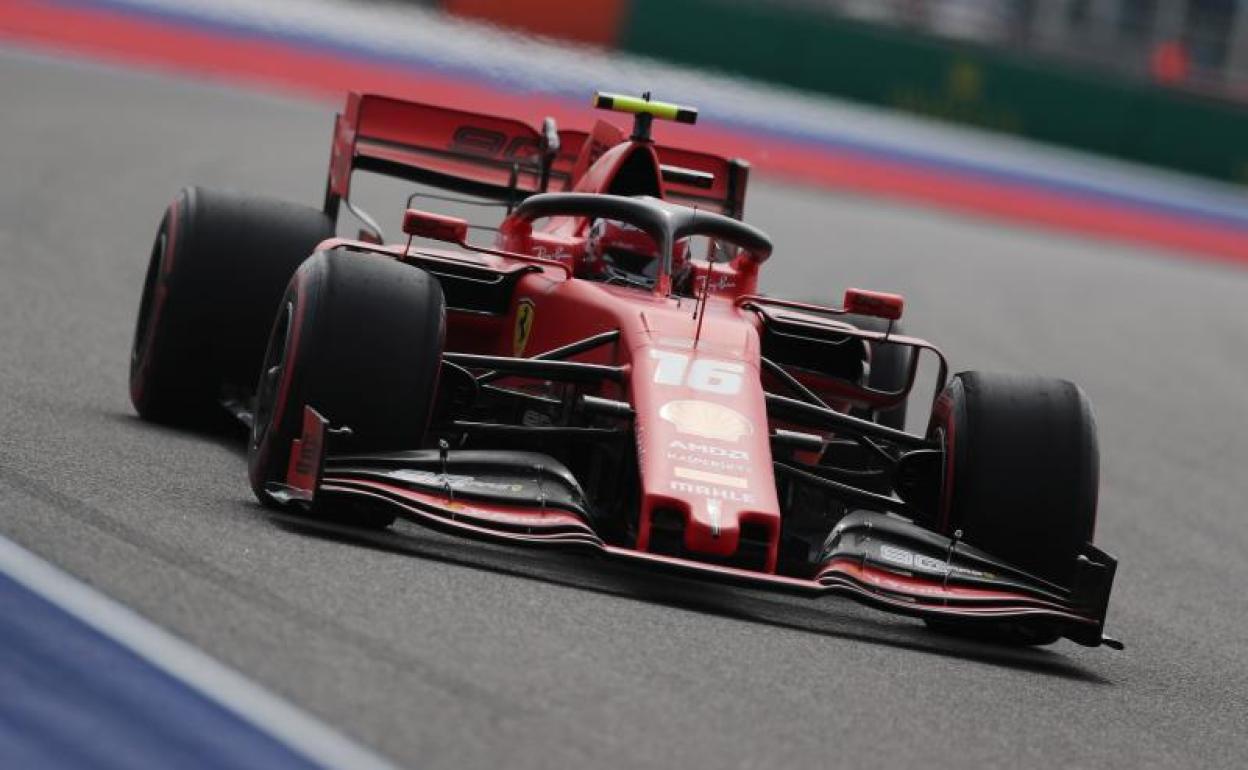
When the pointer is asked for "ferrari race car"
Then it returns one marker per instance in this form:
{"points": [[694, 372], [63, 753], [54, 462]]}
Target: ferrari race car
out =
{"points": [[606, 376]]}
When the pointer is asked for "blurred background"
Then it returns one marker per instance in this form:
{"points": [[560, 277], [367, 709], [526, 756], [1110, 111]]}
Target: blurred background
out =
{"points": [[1158, 81]]}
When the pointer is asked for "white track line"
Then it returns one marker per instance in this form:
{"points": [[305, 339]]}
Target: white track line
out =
{"points": [[267, 712]]}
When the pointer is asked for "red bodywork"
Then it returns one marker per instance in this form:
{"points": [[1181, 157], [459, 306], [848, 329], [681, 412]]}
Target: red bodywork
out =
{"points": [[689, 364], [693, 379]]}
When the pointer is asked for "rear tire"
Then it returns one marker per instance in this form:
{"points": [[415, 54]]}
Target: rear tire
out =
{"points": [[1021, 479], [358, 338], [219, 264]]}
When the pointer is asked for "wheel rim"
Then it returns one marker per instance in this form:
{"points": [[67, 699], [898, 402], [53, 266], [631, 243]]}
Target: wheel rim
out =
{"points": [[275, 358]]}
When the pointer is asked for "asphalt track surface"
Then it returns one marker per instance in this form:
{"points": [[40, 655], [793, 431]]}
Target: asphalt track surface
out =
{"points": [[445, 653]]}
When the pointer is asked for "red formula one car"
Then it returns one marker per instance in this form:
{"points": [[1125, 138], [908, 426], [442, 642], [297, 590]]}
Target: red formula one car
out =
{"points": [[606, 376]]}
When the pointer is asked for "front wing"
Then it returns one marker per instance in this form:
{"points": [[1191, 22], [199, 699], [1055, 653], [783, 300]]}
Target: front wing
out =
{"points": [[876, 558]]}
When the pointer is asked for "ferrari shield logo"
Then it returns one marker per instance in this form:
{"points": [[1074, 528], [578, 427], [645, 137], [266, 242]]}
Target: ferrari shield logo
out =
{"points": [[525, 315]]}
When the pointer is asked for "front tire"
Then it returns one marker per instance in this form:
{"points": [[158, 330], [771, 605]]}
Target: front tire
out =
{"points": [[359, 338], [1021, 479]]}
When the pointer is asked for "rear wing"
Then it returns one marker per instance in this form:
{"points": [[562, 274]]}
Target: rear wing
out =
{"points": [[497, 158], [690, 177]]}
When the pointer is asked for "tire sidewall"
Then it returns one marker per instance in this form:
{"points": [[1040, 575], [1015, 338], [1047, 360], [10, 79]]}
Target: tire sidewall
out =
{"points": [[148, 336], [269, 443], [948, 413], [363, 348], [1020, 472]]}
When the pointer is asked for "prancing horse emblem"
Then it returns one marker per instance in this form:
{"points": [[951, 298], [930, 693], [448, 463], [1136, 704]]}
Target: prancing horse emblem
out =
{"points": [[525, 313]]}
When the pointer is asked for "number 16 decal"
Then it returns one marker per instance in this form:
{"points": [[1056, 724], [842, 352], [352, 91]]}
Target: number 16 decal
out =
{"points": [[705, 374]]}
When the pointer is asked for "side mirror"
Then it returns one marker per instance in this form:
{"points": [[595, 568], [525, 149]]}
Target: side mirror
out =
{"points": [[550, 150], [437, 227], [550, 138], [874, 303]]}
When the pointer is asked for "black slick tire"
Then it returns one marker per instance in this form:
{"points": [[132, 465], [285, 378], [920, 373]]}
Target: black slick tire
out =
{"points": [[1021, 478], [359, 338], [218, 267]]}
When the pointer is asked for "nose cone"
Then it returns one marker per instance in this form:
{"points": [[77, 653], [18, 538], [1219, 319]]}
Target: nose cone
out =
{"points": [[707, 457], [703, 448]]}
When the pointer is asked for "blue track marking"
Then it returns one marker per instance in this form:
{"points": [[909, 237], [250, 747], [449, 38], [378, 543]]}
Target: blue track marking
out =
{"points": [[70, 697], [87, 683]]}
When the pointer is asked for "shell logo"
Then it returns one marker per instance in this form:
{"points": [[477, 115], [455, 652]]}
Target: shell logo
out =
{"points": [[706, 420]]}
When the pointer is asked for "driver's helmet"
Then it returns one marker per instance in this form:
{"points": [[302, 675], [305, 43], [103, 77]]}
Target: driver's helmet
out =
{"points": [[618, 251]]}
